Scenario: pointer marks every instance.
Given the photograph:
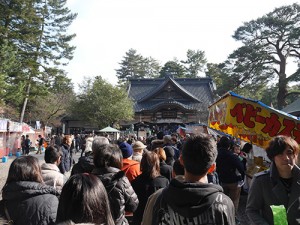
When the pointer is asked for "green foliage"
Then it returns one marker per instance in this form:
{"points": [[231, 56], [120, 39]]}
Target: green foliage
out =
{"points": [[174, 69], [135, 66], [35, 32], [268, 43], [195, 63], [101, 103]]}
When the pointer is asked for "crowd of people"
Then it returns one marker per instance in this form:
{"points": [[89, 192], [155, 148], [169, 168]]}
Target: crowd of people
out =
{"points": [[159, 181]]}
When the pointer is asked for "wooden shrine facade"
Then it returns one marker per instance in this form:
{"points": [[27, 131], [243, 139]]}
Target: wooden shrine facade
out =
{"points": [[171, 100]]}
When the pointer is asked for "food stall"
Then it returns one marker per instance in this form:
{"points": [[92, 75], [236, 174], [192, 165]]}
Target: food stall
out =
{"points": [[13, 139], [251, 121], [3, 133]]}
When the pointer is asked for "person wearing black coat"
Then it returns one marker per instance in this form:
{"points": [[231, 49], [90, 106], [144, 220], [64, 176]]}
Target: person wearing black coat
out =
{"points": [[108, 161], [147, 183], [165, 169], [85, 163], [27, 199], [230, 170], [66, 158]]}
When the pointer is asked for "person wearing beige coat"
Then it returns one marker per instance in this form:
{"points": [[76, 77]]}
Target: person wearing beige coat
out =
{"points": [[50, 171]]}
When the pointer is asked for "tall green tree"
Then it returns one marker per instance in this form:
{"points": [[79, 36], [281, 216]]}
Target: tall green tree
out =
{"points": [[50, 108], [37, 30], [173, 68], [195, 63], [101, 103], [269, 43], [135, 66]]}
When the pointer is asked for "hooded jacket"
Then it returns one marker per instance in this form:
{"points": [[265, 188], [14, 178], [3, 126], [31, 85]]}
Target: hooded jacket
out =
{"points": [[120, 193], [31, 203], [85, 165], [144, 186], [184, 203]]}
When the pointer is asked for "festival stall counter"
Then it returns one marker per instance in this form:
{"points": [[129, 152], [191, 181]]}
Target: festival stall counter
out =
{"points": [[252, 121]]}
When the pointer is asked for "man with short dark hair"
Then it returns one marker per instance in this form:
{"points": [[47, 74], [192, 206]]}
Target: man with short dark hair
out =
{"points": [[50, 171], [193, 200], [230, 170]]}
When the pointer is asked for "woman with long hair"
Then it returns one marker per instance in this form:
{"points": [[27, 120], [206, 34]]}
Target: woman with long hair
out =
{"points": [[147, 183], [108, 164], [84, 200], [25, 196], [165, 169]]}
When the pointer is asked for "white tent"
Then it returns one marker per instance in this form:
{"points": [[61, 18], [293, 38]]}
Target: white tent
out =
{"points": [[109, 130]]}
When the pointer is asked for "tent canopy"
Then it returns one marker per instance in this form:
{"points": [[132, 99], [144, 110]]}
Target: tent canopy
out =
{"points": [[109, 130], [251, 120]]}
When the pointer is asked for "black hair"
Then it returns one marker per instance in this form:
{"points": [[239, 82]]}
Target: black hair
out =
{"points": [[247, 147], [224, 142], [178, 168], [160, 135], [52, 153], [24, 168], [198, 154], [279, 143], [108, 156], [84, 200]]}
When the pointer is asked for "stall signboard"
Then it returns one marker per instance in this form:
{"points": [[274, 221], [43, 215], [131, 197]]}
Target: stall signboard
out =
{"points": [[15, 126], [251, 120], [3, 125]]}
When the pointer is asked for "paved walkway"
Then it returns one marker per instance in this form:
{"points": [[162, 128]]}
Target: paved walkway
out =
{"points": [[4, 167]]}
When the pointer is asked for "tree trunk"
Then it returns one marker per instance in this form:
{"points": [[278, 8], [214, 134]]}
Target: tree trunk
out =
{"points": [[282, 86], [25, 103]]}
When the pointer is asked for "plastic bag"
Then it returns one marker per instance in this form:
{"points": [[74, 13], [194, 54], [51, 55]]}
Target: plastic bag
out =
{"points": [[279, 215]]}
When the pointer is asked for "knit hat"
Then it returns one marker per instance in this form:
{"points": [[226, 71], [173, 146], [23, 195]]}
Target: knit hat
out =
{"points": [[126, 149], [138, 145]]}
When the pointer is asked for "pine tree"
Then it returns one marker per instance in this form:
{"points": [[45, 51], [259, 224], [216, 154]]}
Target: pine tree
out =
{"points": [[37, 29]]}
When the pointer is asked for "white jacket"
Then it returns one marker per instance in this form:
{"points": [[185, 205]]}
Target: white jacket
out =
{"points": [[89, 142], [52, 176]]}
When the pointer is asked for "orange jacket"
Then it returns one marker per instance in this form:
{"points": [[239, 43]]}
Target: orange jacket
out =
{"points": [[131, 169]]}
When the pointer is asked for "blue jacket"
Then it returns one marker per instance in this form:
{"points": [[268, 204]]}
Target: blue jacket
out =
{"points": [[66, 159]]}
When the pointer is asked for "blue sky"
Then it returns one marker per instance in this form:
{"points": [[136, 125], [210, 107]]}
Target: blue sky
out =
{"points": [[162, 29]]}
